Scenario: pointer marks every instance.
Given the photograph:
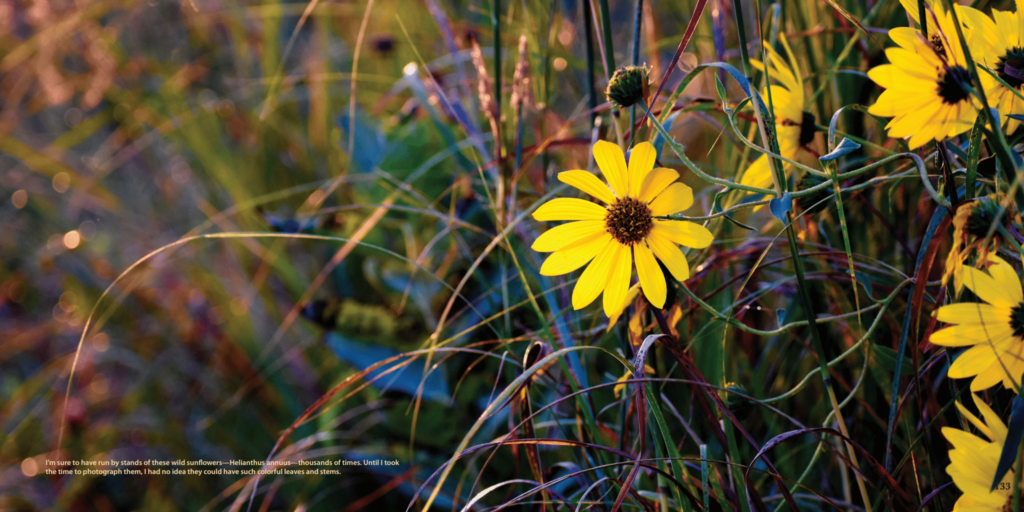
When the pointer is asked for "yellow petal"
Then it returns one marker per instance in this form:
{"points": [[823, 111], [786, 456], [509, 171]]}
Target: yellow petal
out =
{"points": [[565, 235], [893, 77], [676, 198], [992, 420], [974, 313], [588, 183], [1004, 274], [969, 334], [621, 383], [575, 256], [962, 440], [625, 377], [612, 163], [905, 37], [927, 127], [996, 293], [652, 280], [655, 182], [785, 105], [618, 281], [971, 476], [570, 208], [910, 63], [964, 120], [684, 233], [758, 174], [984, 42], [641, 161], [988, 378], [789, 143], [630, 295], [908, 122], [593, 280], [670, 255], [976, 359], [892, 103], [911, 7], [973, 469], [1014, 369], [980, 425]]}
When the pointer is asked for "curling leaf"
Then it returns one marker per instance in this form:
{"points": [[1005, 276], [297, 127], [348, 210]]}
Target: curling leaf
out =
{"points": [[780, 206], [845, 147]]}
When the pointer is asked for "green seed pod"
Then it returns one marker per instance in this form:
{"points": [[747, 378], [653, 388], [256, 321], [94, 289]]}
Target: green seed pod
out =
{"points": [[629, 85]]}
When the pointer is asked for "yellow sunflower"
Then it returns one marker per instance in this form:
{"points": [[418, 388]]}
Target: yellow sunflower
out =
{"points": [[927, 82], [793, 126], [994, 329], [998, 43], [624, 231], [973, 462]]}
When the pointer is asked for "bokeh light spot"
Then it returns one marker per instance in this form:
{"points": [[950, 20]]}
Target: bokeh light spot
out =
{"points": [[61, 182], [19, 199], [72, 239]]}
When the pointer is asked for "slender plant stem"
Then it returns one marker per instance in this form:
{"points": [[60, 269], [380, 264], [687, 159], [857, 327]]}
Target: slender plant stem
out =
{"points": [[609, 52], [741, 33], [638, 18], [589, 35]]}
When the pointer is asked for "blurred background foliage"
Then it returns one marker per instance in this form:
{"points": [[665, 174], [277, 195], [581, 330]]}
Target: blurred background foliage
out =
{"points": [[127, 125]]}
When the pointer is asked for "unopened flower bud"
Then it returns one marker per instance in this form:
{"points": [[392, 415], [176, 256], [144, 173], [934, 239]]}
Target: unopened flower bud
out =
{"points": [[629, 85]]}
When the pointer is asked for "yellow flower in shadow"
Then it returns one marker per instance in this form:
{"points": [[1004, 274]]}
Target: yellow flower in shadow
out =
{"points": [[793, 127]]}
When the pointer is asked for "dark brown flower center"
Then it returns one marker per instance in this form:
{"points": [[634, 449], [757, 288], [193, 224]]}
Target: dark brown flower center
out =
{"points": [[1011, 67], [938, 45], [629, 220], [808, 127], [1017, 320], [954, 84]]}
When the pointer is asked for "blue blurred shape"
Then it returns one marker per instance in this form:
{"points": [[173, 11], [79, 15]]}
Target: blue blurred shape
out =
{"points": [[406, 379], [370, 143]]}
